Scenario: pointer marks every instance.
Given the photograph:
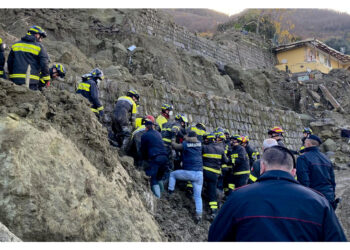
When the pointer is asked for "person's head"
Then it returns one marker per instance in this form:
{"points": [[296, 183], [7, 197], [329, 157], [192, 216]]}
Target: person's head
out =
{"points": [[149, 124], [307, 132], [57, 70], [220, 136], [277, 158], [182, 119], [245, 141], [268, 143], [97, 75], [191, 134], [133, 94], [312, 141], [209, 138], [37, 32], [201, 126], [276, 133], [236, 140], [167, 109], [227, 133], [147, 118]]}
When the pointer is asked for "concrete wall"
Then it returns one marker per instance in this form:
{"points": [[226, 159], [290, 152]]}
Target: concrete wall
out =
{"points": [[246, 54]]}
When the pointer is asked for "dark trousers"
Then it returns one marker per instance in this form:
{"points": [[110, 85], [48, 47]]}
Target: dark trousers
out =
{"points": [[211, 180], [157, 168], [240, 180]]}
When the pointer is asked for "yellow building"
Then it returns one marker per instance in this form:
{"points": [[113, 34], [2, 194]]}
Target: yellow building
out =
{"points": [[309, 55]]}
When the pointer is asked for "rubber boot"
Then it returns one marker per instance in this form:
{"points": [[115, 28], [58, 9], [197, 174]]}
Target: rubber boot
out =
{"points": [[156, 190], [198, 218], [161, 186]]}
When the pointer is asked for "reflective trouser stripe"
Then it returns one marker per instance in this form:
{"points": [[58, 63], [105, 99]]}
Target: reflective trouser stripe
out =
{"points": [[213, 204], [1, 72], [252, 177], [216, 171], [166, 140], [215, 156], [231, 186], [189, 184], [34, 77], [225, 166], [242, 172]]}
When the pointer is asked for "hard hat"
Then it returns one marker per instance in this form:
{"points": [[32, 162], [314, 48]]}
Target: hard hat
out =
{"points": [[277, 130], [37, 30], [181, 118], [60, 70], [97, 74], [133, 93], [166, 106], [307, 130]]}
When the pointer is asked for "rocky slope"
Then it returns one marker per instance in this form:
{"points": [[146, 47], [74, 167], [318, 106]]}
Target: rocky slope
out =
{"points": [[62, 181]]}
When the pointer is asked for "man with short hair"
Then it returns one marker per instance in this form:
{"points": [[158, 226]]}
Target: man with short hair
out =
{"points": [[255, 169], [276, 208], [315, 170]]}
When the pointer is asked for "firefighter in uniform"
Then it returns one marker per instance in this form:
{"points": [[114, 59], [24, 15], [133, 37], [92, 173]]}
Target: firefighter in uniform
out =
{"points": [[2, 59], [277, 134], [123, 117], [240, 165], [56, 71], [174, 131], [89, 89], [29, 51], [164, 117], [199, 129], [306, 133], [213, 157], [134, 146], [253, 154]]}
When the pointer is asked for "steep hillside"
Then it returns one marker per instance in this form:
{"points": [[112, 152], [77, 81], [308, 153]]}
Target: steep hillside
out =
{"points": [[62, 181], [197, 20]]}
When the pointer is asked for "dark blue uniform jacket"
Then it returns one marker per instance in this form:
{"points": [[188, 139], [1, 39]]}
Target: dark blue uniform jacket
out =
{"points": [[88, 88], [192, 156], [152, 145], [315, 170], [276, 208]]}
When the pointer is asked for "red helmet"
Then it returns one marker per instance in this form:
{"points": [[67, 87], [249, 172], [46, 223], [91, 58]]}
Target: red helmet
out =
{"points": [[148, 118], [277, 130]]}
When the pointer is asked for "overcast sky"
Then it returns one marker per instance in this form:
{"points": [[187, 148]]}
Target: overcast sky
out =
{"points": [[225, 6]]}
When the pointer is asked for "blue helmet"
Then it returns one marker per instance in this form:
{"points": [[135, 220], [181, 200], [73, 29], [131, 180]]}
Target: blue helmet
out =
{"points": [[97, 74], [37, 30]]}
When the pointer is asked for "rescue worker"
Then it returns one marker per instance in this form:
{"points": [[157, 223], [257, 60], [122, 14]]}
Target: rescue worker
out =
{"points": [[306, 133], [174, 131], [134, 146], [277, 134], [276, 208], [2, 60], [255, 169], [192, 169], [123, 118], [240, 165], [89, 89], [199, 129], [253, 154], [56, 71], [154, 152], [213, 157], [315, 170], [167, 111], [220, 140], [29, 51]]}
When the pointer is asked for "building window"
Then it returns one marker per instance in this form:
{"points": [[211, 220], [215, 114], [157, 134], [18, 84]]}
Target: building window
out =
{"points": [[310, 55]]}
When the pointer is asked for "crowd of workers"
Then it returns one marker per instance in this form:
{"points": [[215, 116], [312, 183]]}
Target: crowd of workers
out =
{"points": [[281, 198]]}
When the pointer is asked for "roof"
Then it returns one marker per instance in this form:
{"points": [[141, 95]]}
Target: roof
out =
{"points": [[318, 44]]}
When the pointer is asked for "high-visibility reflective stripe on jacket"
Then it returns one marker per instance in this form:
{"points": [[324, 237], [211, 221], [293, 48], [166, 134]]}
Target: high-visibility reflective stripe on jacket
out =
{"points": [[252, 154], [125, 110], [138, 122], [28, 52], [88, 88], [2, 59], [240, 161], [161, 120], [199, 132], [169, 131], [213, 157]]}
